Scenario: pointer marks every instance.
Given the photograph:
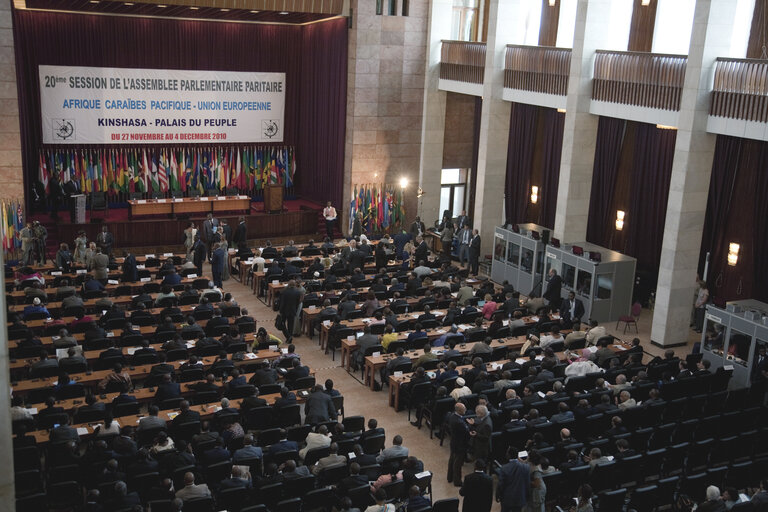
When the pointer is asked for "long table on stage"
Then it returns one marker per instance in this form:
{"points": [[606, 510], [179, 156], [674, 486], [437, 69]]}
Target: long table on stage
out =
{"points": [[153, 232], [188, 205]]}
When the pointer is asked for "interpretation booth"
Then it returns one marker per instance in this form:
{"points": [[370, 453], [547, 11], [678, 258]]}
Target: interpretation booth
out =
{"points": [[732, 336], [602, 279]]}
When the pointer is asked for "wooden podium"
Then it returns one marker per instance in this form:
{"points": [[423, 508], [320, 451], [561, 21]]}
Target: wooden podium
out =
{"points": [[273, 198]]}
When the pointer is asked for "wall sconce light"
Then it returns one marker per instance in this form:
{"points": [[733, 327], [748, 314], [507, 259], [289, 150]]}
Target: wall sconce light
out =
{"points": [[403, 182], [419, 192], [733, 254], [645, 3], [619, 220], [552, 3], [534, 194]]}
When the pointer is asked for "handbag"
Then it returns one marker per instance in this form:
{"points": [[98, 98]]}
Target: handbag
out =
{"points": [[279, 322]]}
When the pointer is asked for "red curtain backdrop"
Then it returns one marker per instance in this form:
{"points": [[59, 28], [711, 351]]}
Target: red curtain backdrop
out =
{"points": [[610, 137], [313, 57], [632, 171], [520, 151], [533, 158], [737, 211], [554, 123]]}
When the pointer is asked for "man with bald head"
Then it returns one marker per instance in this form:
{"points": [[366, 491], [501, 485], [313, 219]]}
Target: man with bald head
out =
{"points": [[459, 443]]}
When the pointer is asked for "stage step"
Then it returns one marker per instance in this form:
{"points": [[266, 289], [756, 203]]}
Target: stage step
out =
{"points": [[321, 227]]}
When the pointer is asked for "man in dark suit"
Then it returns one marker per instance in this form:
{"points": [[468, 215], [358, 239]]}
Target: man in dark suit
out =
{"points": [[167, 389], [105, 240], [319, 407], [130, 273], [218, 260], [185, 415], [459, 443], [240, 232], [422, 251], [417, 228], [199, 254], [355, 479], [296, 372], [571, 309], [474, 253], [253, 401], [555, 284], [289, 306], [477, 490]]}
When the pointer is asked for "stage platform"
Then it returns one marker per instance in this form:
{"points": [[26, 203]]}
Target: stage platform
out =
{"points": [[299, 217]]}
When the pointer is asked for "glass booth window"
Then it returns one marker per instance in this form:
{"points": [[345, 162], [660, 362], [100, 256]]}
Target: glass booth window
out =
{"points": [[552, 264], [738, 347], [513, 254], [604, 286], [498, 248], [714, 336], [584, 283], [539, 262], [569, 276], [527, 262]]}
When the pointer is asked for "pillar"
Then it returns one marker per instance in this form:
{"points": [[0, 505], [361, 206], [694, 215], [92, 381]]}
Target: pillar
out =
{"points": [[580, 131], [691, 169], [433, 118], [11, 177], [494, 124]]}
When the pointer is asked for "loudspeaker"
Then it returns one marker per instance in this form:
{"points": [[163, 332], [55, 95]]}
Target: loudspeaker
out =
{"points": [[545, 236]]}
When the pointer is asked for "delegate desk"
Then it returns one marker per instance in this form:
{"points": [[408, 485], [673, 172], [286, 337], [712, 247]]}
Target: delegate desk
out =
{"points": [[491, 367], [207, 411], [188, 205], [141, 372], [376, 363], [350, 345]]}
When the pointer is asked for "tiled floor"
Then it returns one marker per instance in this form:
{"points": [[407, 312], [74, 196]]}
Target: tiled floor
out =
{"points": [[359, 400]]}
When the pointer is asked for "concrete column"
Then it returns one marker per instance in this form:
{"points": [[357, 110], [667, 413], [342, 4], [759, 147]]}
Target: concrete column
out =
{"points": [[494, 124], [11, 177], [7, 491], [580, 132], [691, 169], [433, 118]]}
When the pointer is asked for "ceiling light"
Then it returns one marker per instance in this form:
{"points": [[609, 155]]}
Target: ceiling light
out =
{"points": [[733, 254], [254, 12], [645, 3], [194, 8], [224, 10], [128, 3], [283, 12], [162, 6], [94, 1], [534, 194]]}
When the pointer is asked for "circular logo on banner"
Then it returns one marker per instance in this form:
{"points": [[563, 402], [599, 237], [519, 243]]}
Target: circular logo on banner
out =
{"points": [[63, 129], [270, 128]]}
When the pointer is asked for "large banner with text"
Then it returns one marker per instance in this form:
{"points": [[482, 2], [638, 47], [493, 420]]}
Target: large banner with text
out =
{"points": [[93, 105]]}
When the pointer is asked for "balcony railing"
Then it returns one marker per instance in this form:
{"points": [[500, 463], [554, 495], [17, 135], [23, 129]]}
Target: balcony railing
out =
{"points": [[741, 89], [642, 79], [462, 61], [537, 69]]}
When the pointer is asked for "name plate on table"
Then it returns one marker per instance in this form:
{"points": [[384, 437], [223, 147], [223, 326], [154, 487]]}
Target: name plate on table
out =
{"points": [[221, 198], [327, 323], [110, 334], [145, 279], [81, 271], [275, 281], [141, 201], [81, 431], [112, 281], [141, 267], [149, 256], [284, 350], [273, 348], [55, 273], [312, 308], [350, 338], [376, 354], [191, 276], [178, 200], [167, 255], [398, 374]]}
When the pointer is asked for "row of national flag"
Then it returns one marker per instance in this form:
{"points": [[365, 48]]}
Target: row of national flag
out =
{"points": [[381, 205], [11, 223], [161, 169]]}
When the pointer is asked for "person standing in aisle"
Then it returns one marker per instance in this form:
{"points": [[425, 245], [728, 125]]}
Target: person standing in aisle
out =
{"points": [[474, 253], [329, 212], [218, 260]]}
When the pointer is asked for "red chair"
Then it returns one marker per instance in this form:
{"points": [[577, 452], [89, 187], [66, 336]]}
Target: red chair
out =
{"points": [[634, 314]]}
